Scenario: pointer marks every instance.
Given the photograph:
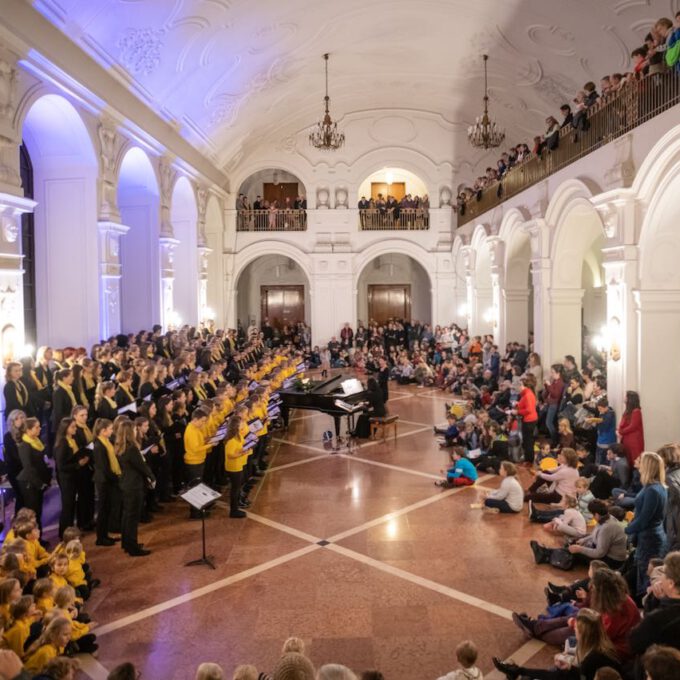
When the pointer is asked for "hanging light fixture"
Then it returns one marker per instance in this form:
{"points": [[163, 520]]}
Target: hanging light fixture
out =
{"points": [[485, 133], [326, 136]]}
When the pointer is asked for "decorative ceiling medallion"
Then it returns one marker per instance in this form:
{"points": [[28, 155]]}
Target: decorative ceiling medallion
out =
{"points": [[140, 49]]}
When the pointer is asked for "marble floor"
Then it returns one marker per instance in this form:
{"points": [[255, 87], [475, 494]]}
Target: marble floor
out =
{"points": [[358, 553]]}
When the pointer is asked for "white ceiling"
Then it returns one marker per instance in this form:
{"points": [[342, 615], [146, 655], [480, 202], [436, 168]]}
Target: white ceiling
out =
{"points": [[230, 73]]}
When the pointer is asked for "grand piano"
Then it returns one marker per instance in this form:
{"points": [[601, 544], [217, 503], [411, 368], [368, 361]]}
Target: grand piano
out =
{"points": [[321, 398]]}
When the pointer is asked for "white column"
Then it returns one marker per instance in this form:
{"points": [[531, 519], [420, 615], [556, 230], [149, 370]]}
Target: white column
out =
{"points": [[514, 317], [658, 317], [12, 338], [110, 272], [565, 318], [541, 271], [621, 324], [204, 312], [470, 297], [169, 317], [494, 315]]}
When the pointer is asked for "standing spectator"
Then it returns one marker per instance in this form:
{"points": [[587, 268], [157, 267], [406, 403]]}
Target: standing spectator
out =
{"points": [[526, 410], [647, 527], [347, 336], [631, 431], [552, 395], [606, 430], [670, 455]]}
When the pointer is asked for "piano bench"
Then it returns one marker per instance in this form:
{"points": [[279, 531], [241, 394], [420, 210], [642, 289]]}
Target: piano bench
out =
{"points": [[382, 426]]}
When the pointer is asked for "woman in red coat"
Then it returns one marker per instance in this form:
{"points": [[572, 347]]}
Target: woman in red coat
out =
{"points": [[631, 431], [526, 410]]}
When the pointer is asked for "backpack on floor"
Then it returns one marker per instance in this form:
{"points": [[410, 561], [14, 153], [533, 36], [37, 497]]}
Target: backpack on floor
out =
{"points": [[561, 558]]}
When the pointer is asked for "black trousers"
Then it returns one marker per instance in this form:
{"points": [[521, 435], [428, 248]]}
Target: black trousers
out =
{"points": [[18, 493], [235, 480], [133, 500], [105, 494], [68, 487], [33, 499], [85, 500], [528, 434]]}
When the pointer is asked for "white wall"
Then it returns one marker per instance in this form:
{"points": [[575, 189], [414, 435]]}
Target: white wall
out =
{"points": [[67, 278], [183, 215]]}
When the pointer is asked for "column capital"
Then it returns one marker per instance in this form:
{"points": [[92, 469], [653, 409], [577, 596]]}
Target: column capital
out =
{"points": [[566, 296], [657, 301]]}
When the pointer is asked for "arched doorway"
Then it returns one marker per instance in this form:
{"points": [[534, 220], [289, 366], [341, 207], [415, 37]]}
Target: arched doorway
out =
{"points": [[66, 249], [273, 287], [394, 285], [183, 215], [140, 256], [517, 308]]}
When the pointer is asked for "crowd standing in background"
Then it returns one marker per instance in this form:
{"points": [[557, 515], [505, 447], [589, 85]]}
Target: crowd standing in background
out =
{"points": [[659, 52]]}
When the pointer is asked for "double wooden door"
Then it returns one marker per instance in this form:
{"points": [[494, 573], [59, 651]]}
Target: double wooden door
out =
{"points": [[282, 305], [280, 192], [391, 301]]}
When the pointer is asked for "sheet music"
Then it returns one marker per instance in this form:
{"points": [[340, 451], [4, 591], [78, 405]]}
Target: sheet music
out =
{"points": [[351, 386], [255, 426], [350, 408], [200, 495], [130, 407]]}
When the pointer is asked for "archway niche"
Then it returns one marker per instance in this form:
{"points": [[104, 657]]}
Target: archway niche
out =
{"points": [[140, 254], [272, 184], [577, 295], [396, 182], [394, 285], [518, 292], [183, 215], [66, 248], [273, 287]]}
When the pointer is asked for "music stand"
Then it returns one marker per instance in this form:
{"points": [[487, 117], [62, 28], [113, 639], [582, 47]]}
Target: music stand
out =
{"points": [[200, 497]]}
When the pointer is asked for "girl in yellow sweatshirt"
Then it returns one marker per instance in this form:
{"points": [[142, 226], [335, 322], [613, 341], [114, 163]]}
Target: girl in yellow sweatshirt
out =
{"points": [[24, 613], [82, 641], [50, 644]]}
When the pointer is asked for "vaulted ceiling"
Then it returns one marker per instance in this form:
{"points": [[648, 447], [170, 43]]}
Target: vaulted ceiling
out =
{"points": [[232, 73]]}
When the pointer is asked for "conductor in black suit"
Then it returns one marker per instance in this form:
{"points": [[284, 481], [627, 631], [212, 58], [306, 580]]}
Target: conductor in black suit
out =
{"points": [[383, 378]]}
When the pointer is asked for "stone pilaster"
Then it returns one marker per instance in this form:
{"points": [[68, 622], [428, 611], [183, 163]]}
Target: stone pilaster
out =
{"points": [[110, 273]]}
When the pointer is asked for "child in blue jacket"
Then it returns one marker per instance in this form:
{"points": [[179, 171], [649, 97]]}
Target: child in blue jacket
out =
{"points": [[462, 473]]}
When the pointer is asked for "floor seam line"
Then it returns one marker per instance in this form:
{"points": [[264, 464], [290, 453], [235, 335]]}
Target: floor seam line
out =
{"points": [[453, 593], [204, 590]]}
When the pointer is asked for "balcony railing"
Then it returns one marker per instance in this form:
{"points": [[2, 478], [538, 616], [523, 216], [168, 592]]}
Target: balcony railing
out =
{"points": [[271, 220], [635, 103], [408, 219]]}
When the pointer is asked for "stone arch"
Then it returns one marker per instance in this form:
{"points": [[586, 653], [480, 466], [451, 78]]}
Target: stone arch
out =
{"points": [[65, 187], [577, 298], [282, 254], [261, 168], [395, 157]]}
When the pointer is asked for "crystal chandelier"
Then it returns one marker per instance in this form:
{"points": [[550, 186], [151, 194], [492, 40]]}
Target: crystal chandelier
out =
{"points": [[325, 135], [485, 133]]}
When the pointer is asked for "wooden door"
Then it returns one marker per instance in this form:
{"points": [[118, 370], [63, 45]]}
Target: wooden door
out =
{"points": [[280, 192], [282, 305], [396, 189], [391, 301]]}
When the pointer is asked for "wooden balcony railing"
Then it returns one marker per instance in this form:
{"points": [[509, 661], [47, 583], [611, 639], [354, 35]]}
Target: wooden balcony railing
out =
{"points": [[408, 219], [635, 103], [271, 220]]}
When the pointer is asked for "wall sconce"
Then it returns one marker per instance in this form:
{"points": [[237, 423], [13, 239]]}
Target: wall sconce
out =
{"points": [[207, 314], [26, 351], [490, 316], [174, 319], [389, 177], [607, 341], [464, 310]]}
